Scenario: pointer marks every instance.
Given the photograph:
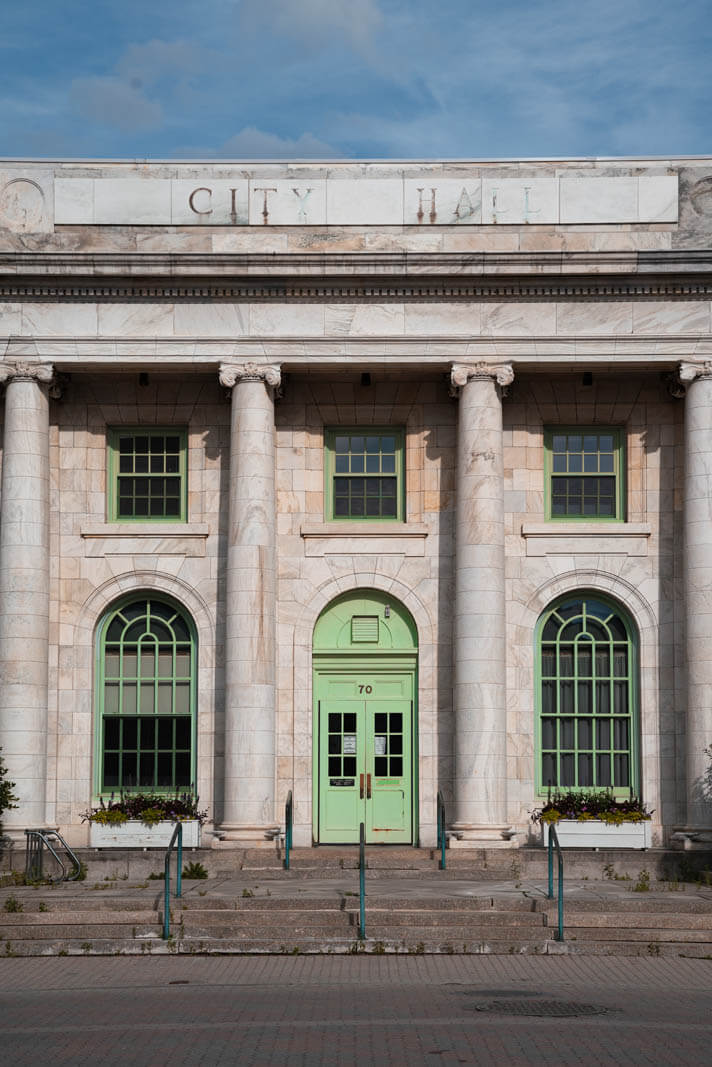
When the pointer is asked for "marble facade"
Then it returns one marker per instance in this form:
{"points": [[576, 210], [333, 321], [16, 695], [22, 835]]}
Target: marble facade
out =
{"points": [[473, 305]]}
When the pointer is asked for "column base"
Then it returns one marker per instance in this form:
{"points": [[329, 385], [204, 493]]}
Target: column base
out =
{"points": [[470, 835], [230, 835], [692, 839]]}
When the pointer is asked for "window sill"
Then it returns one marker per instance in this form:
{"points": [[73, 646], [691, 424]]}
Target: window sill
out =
{"points": [[575, 538], [352, 538], [146, 538]]}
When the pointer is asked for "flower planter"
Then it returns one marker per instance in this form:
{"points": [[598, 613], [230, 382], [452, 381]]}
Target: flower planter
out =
{"points": [[135, 834], [591, 833]]}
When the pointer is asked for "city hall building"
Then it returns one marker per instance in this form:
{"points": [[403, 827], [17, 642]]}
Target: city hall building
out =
{"points": [[362, 481]]}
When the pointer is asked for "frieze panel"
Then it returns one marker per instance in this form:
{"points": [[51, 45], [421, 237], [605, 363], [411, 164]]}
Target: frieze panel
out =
{"points": [[328, 200]]}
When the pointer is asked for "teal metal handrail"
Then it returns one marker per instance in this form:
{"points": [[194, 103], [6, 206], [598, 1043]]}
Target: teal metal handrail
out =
{"points": [[288, 826], [177, 834], [361, 882], [36, 840], [442, 833], [554, 841]]}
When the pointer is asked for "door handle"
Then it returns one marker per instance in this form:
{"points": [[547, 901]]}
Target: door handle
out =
{"points": [[368, 786], [361, 786]]}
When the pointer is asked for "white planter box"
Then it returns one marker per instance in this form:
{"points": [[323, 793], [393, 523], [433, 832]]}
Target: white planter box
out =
{"points": [[134, 834], [594, 834]]}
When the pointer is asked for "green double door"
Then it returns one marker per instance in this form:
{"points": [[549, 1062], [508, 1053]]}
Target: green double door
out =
{"points": [[365, 756]]}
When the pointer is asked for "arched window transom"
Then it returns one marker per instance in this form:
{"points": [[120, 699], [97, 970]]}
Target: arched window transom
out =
{"points": [[587, 692], [147, 675]]}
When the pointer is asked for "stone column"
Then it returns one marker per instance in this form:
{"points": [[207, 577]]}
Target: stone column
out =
{"points": [[698, 590], [480, 801], [24, 589], [250, 614]]}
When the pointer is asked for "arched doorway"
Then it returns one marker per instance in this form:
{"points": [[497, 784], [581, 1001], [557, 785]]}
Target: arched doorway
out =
{"points": [[365, 659]]}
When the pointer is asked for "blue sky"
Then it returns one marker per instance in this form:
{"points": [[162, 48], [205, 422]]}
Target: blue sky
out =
{"points": [[277, 79]]}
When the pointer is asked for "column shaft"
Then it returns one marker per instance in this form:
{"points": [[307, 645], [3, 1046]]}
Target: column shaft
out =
{"points": [[24, 592], [698, 590], [250, 611], [479, 625]]}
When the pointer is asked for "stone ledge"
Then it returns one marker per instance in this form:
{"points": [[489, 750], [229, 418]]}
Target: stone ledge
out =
{"points": [[573, 538], [154, 539], [352, 538]]}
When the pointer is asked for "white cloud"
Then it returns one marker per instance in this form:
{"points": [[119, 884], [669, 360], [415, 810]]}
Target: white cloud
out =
{"points": [[356, 20], [115, 102], [251, 143]]}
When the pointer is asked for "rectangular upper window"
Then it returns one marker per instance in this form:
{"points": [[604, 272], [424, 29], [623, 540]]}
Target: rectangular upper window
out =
{"points": [[364, 472], [147, 475], [584, 473]]}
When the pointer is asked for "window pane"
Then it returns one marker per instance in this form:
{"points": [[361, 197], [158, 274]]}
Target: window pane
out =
{"points": [[603, 698], [165, 698], [548, 770], [621, 733], [585, 658], [585, 769], [147, 699], [585, 733], [566, 698], [548, 733], [584, 698], [567, 733], [603, 733], [111, 699], [129, 734], [182, 705], [128, 702], [603, 770], [112, 733], [621, 772], [165, 733], [568, 769]]}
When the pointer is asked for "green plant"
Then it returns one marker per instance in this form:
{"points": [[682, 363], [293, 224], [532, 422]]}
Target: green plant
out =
{"points": [[643, 883], [247, 894], [8, 800], [157, 876], [195, 870], [149, 808], [12, 904], [584, 805], [43, 906]]}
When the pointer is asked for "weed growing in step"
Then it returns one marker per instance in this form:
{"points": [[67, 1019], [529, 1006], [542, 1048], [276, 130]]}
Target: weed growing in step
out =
{"points": [[12, 904], [643, 883], [195, 870]]}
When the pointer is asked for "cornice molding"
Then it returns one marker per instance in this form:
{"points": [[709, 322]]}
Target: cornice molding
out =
{"points": [[352, 291], [355, 276]]}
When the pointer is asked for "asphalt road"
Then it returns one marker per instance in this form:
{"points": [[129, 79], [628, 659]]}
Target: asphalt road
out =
{"points": [[355, 1011]]}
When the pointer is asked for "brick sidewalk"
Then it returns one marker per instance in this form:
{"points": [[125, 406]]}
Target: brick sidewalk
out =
{"points": [[353, 1011]]}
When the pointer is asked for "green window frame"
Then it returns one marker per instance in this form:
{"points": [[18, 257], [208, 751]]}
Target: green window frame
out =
{"points": [[584, 472], [586, 697], [147, 474], [364, 472], [146, 674]]}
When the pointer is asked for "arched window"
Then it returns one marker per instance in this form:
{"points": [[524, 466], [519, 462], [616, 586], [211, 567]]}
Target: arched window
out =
{"points": [[587, 693], [147, 659]]}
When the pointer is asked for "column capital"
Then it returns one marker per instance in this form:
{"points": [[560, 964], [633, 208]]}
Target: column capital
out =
{"points": [[690, 372], [26, 371], [462, 373], [232, 373]]}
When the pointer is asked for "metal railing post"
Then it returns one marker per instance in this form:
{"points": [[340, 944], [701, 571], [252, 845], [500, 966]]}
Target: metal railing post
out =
{"points": [[554, 842], [176, 839], [288, 817], [362, 882], [442, 835]]}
